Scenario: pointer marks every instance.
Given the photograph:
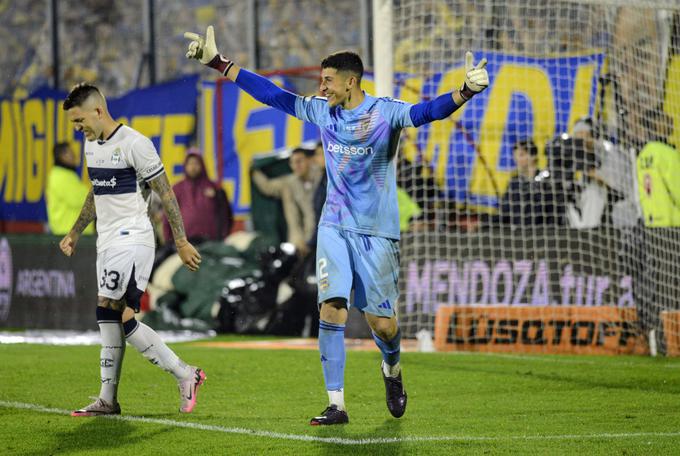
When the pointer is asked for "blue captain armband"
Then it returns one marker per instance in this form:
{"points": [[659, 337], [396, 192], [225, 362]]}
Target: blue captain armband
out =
{"points": [[437, 109], [265, 91]]}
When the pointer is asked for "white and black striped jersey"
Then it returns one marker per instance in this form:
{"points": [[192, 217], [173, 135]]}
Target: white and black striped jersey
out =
{"points": [[119, 168]]}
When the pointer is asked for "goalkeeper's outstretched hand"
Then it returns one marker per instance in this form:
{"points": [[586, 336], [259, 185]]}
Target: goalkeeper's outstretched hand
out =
{"points": [[476, 77], [202, 49]]}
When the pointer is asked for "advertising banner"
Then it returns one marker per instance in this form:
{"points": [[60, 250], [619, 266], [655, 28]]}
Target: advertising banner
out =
{"points": [[29, 129], [40, 288], [539, 267], [579, 330], [540, 289]]}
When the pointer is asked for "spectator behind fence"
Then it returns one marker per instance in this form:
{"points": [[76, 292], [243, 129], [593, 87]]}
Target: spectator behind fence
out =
{"points": [[525, 201], [590, 198], [65, 192], [616, 173], [606, 185], [296, 191], [530, 198], [204, 205], [658, 168], [572, 163]]}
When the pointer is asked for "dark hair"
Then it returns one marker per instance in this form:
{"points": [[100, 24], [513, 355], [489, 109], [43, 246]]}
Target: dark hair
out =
{"points": [[528, 145], [79, 93], [345, 61], [60, 148], [301, 150]]}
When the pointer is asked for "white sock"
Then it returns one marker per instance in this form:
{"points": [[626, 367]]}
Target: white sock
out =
{"points": [[337, 398], [149, 344], [391, 371], [111, 359]]}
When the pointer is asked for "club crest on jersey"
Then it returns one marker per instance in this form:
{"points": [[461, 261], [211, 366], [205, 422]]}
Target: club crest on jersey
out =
{"points": [[363, 125], [115, 157]]}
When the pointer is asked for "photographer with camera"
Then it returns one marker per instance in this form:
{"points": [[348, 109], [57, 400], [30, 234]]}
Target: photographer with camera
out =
{"points": [[573, 166]]}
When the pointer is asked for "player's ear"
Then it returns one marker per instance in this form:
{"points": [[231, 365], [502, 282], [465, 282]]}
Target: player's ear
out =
{"points": [[351, 82]]}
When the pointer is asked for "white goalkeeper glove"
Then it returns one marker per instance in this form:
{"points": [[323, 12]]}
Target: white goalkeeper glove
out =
{"points": [[202, 49], [476, 77], [205, 50]]}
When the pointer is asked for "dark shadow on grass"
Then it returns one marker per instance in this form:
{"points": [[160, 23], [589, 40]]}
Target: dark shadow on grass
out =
{"points": [[331, 432], [98, 434], [389, 428], [579, 378]]}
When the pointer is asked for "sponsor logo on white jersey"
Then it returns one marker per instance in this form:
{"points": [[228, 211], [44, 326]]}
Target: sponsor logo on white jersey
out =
{"points": [[104, 183], [349, 150]]}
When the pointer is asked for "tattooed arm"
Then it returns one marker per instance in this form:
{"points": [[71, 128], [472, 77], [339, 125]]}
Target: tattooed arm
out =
{"points": [[161, 186], [190, 257], [87, 215]]}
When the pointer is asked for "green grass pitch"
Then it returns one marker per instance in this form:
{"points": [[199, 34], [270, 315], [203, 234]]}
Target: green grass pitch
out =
{"points": [[260, 401]]}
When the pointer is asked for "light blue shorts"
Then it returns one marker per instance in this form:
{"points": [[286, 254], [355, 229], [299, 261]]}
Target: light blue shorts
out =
{"points": [[369, 265]]}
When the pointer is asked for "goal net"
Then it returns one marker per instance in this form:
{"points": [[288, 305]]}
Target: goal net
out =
{"points": [[548, 214]]}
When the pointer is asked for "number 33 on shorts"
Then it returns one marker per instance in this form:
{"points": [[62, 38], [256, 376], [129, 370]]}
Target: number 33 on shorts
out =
{"points": [[109, 280], [120, 268]]}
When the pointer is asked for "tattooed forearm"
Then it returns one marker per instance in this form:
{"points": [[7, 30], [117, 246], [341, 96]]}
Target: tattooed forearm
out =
{"points": [[161, 186], [87, 214]]}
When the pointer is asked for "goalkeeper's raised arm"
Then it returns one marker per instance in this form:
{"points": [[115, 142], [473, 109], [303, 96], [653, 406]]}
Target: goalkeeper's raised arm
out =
{"points": [[205, 50], [262, 89]]}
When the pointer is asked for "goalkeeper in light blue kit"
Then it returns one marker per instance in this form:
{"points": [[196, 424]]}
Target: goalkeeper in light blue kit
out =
{"points": [[358, 233]]}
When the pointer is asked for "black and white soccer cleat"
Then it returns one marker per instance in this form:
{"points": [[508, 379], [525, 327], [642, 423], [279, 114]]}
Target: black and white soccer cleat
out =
{"points": [[395, 394], [330, 416]]}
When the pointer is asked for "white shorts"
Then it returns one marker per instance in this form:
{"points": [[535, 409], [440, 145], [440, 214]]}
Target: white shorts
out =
{"points": [[123, 272]]}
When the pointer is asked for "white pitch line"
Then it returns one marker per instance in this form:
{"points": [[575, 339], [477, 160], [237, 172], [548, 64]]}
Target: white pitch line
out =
{"points": [[338, 440]]}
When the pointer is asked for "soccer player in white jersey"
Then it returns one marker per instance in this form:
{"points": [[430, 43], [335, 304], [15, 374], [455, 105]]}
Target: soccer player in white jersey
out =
{"points": [[357, 247], [123, 165]]}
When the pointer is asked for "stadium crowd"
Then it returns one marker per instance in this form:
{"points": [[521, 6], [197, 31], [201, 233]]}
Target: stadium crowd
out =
{"points": [[288, 34]]}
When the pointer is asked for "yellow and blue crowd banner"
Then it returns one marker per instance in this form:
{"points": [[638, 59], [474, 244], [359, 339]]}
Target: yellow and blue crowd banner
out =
{"points": [[29, 128]]}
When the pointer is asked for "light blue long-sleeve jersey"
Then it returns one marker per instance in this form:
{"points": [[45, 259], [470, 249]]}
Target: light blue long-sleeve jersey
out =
{"points": [[360, 147]]}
